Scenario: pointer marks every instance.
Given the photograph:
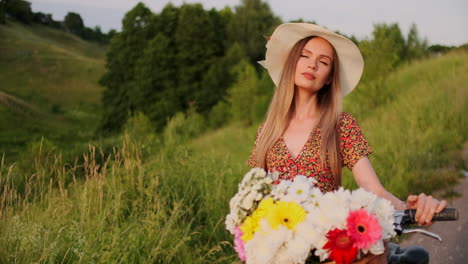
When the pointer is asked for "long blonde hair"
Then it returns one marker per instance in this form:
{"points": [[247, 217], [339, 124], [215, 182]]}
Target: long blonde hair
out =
{"points": [[281, 110]]}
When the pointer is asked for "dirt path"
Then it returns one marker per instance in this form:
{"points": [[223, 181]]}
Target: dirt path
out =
{"points": [[454, 246], [15, 103]]}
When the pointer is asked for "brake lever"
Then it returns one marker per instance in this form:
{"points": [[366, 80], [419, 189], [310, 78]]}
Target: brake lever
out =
{"points": [[402, 220]]}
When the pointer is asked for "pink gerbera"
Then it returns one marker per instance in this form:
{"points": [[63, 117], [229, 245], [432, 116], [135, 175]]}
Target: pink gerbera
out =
{"points": [[239, 243], [364, 228]]}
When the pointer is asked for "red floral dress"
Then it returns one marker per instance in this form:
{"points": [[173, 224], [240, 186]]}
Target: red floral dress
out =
{"points": [[353, 146]]}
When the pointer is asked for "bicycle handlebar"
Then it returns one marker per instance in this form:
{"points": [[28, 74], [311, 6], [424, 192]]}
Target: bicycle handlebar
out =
{"points": [[406, 217], [448, 214]]}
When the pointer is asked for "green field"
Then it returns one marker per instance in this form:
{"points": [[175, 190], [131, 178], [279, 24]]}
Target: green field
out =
{"points": [[151, 202]]}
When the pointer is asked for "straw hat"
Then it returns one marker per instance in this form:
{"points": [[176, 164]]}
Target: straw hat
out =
{"points": [[284, 37]]}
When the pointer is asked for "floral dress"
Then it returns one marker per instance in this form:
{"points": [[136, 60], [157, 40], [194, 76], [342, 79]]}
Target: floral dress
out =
{"points": [[353, 146]]}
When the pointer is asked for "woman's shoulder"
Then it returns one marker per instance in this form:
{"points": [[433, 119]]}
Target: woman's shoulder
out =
{"points": [[346, 120], [344, 116]]}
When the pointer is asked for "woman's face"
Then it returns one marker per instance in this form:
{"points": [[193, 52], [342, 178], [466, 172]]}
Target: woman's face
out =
{"points": [[314, 67]]}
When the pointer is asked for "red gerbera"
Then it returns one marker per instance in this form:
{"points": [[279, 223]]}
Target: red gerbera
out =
{"points": [[364, 228], [341, 246]]}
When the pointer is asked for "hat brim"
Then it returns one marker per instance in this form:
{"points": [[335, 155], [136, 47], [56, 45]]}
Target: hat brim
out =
{"points": [[285, 36]]}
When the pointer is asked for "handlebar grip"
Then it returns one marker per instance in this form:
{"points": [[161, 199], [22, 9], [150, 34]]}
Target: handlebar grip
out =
{"points": [[448, 214]]}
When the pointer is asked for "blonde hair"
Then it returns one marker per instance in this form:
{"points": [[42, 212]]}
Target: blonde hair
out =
{"points": [[281, 110]]}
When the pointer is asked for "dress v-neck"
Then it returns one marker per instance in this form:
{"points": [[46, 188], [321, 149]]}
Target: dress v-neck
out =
{"points": [[303, 146]]}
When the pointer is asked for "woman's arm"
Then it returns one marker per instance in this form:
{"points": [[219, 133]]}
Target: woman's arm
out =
{"points": [[426, 206]]}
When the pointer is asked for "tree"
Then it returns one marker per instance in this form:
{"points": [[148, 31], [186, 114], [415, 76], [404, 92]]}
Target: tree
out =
{"points": [[155, 82], [415, 47], [437, 48], [18, 9], [41, 18], [253, 20], [242, 95], [2, 12], [166, 22], [74, 24], [221, 76], [197, 45], [384, 52], [124, 51]]}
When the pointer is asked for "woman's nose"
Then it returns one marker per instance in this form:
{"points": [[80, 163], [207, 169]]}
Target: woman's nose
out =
{"points": [[312, 66]]}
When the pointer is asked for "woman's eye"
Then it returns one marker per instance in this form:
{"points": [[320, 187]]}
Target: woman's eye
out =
{"points": [[304, 56], [324, 62]]}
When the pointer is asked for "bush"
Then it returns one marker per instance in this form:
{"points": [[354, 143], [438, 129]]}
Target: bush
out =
{"points": [[140, 129], [219, 115], [183, 127]]}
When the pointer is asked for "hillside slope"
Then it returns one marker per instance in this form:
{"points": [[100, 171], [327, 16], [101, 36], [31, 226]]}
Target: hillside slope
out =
{"points": [[54, 73]]}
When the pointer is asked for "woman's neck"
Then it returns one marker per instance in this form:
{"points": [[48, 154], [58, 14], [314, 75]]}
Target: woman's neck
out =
{"points": [[305, 105]]}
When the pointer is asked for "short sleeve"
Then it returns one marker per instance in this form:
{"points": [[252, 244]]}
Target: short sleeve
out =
{"points": [[251, 162], [353, 145]]}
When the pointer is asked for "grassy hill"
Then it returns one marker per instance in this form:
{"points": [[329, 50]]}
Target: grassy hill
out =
{"points": [[155, 202], [49, 87], [158, 203]]}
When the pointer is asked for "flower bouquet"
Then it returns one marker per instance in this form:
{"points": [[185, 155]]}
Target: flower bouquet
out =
{"points": [[290, 221]]}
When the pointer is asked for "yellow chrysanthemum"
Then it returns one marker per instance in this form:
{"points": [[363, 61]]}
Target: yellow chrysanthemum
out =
{"points": [[287, 214], [248, 228], [252, 223], [263, 209]]}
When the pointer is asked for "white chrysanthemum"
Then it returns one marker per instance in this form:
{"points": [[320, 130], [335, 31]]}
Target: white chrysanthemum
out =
{"points": [[247, 178], [320, 252], [233, 202], [334, 207], [301, 179], [361, 198], [383, 210], [257, 186], [315, 193], [280, 190], [248, 200], [264, 245], [343, 194], [258, 197], [298, 248], [311, 233], [298, 192], [252, 176], [319, 219], [260, 173], [274, 175], [282, 257], [231, 223]]}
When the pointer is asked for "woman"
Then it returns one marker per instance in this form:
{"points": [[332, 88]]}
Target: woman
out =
{"points": [[305, 132]]}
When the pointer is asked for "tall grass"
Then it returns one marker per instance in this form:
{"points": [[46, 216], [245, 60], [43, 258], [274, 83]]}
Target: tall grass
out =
{"points": [[167, 204], [117, 213]]}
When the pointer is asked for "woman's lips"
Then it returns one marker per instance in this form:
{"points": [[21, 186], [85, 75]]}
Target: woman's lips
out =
{"points": [[308, 76]]}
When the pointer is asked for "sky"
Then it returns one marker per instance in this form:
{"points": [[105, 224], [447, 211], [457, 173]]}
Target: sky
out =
{"points": [[440, 22]]}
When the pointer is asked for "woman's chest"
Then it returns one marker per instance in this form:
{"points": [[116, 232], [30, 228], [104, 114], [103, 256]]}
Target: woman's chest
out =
{"points": [[307, 162], [297, 135]]}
